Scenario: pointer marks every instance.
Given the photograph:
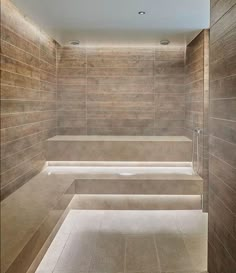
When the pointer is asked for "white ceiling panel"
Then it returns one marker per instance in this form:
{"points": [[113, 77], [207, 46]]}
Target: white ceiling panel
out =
{"points": [[117, 22]]}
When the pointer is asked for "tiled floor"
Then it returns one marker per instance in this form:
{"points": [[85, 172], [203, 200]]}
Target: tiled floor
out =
{"points": [[129, 242]]}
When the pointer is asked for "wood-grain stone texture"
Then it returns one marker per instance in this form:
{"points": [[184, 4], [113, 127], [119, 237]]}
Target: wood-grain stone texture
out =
{"points": [[222, 139], [28, 97]]}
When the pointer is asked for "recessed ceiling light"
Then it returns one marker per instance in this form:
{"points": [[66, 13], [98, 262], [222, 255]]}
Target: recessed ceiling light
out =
{"points": [[141, 12], [74, 43], [164, 42]]}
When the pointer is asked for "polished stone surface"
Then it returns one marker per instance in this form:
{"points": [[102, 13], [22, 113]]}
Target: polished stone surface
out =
{"points": [[128, 241]]}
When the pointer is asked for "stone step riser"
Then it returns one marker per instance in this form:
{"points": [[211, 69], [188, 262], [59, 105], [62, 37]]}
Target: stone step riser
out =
{"points": [[139, 186], [128, 202]]}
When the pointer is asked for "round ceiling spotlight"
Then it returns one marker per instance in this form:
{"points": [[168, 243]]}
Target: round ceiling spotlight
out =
{"points": [[141, 12], [164, 42], [74, 43]]}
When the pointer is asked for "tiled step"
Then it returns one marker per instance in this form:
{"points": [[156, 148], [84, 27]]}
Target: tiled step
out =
{"points": [[150, 184], [118, 148]]}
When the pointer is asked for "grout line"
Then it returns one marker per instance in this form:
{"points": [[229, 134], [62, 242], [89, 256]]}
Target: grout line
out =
{"points": [[98, 232], [35, 144], [32, 66], [157, 253], [25, 112], [27, 88], [17, 34], [220, 159], [189, 74], [59, 256], [57, 89], [86, 91], [219, 99], [222, 78], [22, 75], [220, 202], [23, 137], [197, 60], [11, 182], [218, 20], [226, 186], [21, 125], [125, 255], [14, 187], [221, 139], [17, 60], [222, 245], [38, 80], [188, 251], [222, 119], [32, 100], [21, 163]]}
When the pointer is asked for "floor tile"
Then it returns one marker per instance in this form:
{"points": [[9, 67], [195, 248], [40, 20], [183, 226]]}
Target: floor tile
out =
{"points": [[108, 254], [49, 261], [172, 253], [81, 220], [197, 248], [124, 222], [77, 253], [69, 223], [141, 254], [138, 222], [88, 221], [93, 241], [163, 222]]}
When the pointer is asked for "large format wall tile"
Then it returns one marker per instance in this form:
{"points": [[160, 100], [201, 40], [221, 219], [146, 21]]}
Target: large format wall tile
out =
{"points": [[121, 91], [222, 150], [197, 100], [28, 97]]}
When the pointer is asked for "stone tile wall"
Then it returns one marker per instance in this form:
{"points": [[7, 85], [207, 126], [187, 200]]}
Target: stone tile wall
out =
{"points": [[121, 91], [222, 139], [197, 102], [28, 97], [103, 91]]}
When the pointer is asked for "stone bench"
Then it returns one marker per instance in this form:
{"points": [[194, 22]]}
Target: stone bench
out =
{"points": [[119, 148]]}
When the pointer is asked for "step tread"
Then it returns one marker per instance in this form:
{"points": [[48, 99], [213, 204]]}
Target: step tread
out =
{"points": [[168, 177], [119, 138]]}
